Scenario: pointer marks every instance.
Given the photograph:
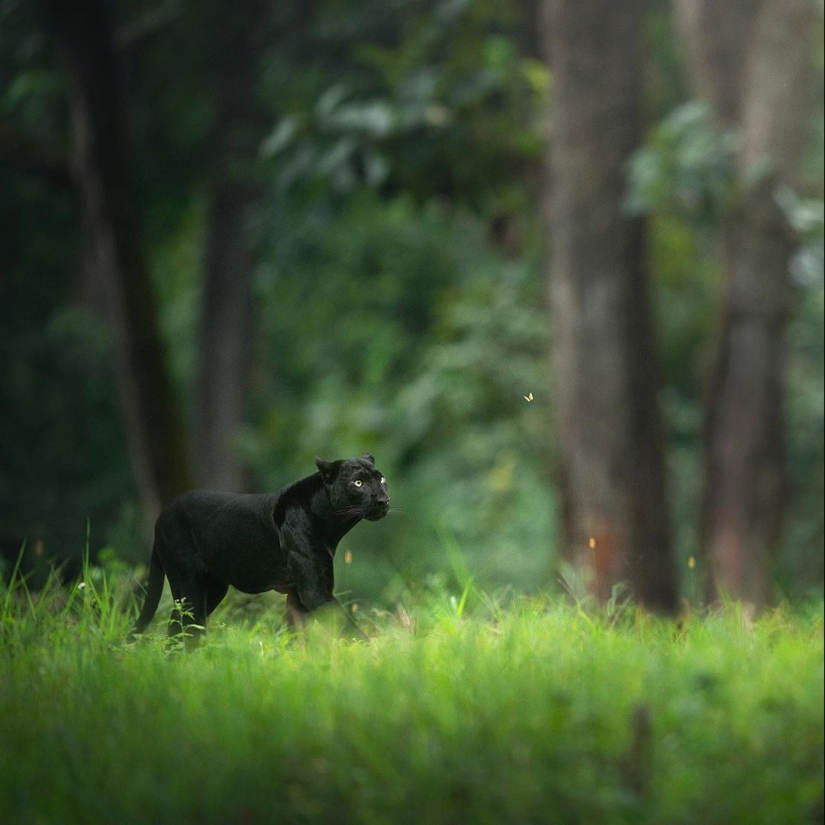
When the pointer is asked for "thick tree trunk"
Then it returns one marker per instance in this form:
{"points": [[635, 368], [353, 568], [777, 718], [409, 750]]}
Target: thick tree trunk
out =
{"points": [[101, 166], [610, 449], [764, 94]]}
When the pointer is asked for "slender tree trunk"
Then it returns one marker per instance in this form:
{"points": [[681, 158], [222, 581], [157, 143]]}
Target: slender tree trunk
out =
{"points": [[226, 329], [101, 167], [764, 45], [245, 30], [226, 318], [610, 447]]}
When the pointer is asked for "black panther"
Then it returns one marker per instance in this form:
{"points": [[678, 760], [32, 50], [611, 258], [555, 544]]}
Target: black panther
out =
{"points": [[206, 541]]}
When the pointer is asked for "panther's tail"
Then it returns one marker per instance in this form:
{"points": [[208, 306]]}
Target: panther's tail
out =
{"points": [[153, 592]]}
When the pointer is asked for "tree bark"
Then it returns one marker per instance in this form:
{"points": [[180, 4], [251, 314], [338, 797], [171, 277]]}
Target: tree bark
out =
{"points": [[102, 169], [715, 37], [765, 96], [226, 318], [226, 329], [610, 448]]}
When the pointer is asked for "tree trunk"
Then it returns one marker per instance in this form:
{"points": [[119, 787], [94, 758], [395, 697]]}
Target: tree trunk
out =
{"points": [[610, 447], [226, 319], [226, 328], [765, 95], [715, 37], [226, 323], [101, 166]]}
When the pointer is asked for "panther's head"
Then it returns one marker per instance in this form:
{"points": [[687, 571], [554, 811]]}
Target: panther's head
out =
{"points": [[356, 488]]}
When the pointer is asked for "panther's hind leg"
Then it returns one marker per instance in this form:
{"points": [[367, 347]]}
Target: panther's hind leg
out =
{"points": [[194, 602], [188, 618]]}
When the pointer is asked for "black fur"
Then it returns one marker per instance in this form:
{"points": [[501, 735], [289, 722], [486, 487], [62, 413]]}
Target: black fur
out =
{"points": [[206, 541]]}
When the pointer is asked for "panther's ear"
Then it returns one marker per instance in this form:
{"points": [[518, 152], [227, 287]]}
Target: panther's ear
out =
{"points": [[368, 457], [325, 468]]}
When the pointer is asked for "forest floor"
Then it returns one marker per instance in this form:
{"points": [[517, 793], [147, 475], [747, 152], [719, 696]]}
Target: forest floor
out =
{"points": [[456, 711]]}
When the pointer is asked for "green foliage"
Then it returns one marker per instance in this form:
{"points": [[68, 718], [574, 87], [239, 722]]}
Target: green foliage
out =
{"points": [[476, 713], [62, 453], [63, 458], [32, 88], [417, 341], [686, 167], [437, 103]]}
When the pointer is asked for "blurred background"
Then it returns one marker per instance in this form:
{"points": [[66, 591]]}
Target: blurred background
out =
{"points": [[557, 265]]}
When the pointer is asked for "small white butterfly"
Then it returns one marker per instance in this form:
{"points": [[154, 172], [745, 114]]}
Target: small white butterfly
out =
{"points": [[528, 397]]}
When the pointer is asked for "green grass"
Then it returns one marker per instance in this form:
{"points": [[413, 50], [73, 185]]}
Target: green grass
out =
{"points": [[457, 711]]}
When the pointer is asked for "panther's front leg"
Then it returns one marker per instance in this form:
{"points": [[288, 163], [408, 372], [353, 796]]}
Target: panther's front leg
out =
{"points": [[312, 571]]}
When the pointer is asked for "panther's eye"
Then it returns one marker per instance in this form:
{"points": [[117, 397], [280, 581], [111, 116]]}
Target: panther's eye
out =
{"points": [[358, 483]]}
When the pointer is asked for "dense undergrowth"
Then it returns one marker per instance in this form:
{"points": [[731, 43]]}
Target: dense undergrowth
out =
{"points": [[459, 710]]}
